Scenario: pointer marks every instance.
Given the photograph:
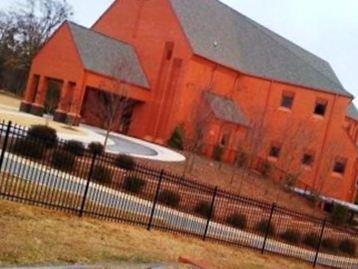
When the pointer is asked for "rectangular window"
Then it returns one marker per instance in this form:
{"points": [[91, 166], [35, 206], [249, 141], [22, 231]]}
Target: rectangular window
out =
{"points": [[308, 159], [287, 100], [320, 107], [340, 165], [275, 151]]}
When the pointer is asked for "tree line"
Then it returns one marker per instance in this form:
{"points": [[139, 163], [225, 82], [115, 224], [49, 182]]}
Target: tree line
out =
{"points": [[24, 28]]}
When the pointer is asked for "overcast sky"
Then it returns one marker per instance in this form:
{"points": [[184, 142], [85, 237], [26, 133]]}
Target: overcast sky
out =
{"points": [[328, 28]]}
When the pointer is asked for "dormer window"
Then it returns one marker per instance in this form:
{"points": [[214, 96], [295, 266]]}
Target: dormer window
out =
{"points": [[320, 107]]}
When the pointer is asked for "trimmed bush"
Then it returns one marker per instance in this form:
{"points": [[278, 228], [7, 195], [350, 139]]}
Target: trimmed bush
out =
{"points": [[101, 174], [311, 240], [125, 162], [176, 141], [96, 148], [291, 236], [28, 148], [134, 184], [339, 215], [75, 147], [242, 159], [218, 153], [46, 134], [238, 221], [263, 226], [169, 198], [348, 246], [203, 209], [330, 244], [266, 169], [63, 160]]}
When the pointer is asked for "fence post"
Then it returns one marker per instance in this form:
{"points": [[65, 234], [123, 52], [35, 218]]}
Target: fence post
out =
{"points": [[87, 185], [150, 223], [4, 146], [320, 242], [268, 227], [210, 213]]}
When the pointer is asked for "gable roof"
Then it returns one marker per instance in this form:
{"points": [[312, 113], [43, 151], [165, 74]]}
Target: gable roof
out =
{"points": [[221, 34], [225, 109], [352, 112], [108, 56]]}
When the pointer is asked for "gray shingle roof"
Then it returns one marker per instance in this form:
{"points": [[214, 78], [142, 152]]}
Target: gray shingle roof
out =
{"points": [[225, 109], [352, 112], [108, 56], [221, 34]]}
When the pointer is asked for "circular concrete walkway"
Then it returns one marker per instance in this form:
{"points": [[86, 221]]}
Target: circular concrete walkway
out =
{"points": [[86, 134], [136, 147]]}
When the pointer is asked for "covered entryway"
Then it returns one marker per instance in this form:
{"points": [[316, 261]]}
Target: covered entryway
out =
{"points": [[87, 61], [107, 110]]}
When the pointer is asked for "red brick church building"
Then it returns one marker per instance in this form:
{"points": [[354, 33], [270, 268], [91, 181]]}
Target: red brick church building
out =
{"points": [[265, 94]]}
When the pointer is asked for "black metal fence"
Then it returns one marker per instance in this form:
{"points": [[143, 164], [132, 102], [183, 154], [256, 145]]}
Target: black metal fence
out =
{"points": [[96, 186]]}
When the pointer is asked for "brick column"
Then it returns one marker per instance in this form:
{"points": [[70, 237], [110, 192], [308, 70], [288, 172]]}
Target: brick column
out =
{"points": [[38, 107], [64, 103], [30, 93], [76, 104]]}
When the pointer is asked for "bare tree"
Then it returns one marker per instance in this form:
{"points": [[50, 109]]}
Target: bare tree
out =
{"points": [[333, 150], [250, 147], [113, 100], [199, 118], [296, 139], [23, 31]]}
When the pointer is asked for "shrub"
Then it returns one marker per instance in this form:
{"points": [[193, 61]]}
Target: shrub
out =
{"points": [[176, 141], [101, 174], [339, 215], [125, 162], [203, 208], [46, 134], [28, 148], [264, 226], [134, 184], [311, 240], [266, 169], [218, 153], [348, 246], [330, 244], [96, 148], [75, 147], [291, 179], [169, 198], [241, 159], [238, 221], [291, 236], [63, 160]]}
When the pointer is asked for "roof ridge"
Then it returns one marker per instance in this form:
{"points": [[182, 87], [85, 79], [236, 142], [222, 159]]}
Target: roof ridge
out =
{"points": [[236, 11], [259, 26], [99, 33]]}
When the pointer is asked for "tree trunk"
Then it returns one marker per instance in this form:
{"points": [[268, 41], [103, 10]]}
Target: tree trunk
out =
{"points": [[108, 132]]}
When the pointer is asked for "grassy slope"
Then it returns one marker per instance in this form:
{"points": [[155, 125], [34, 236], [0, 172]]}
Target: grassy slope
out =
{"points": [[30, 235]]}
